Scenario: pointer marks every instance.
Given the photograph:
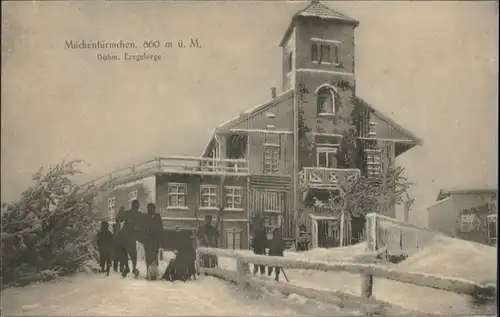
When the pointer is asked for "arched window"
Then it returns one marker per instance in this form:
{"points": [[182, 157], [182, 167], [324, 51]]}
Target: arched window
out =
{"points": [[326, 101]]}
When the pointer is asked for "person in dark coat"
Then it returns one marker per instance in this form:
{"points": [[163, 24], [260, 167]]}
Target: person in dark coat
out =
{"points": [[105, 245], [207, 237], [182, 267], [116, 253], [276, 248], [259, 244], [152, 234], [131, 227]]}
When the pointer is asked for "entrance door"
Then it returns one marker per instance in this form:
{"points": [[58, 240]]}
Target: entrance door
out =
{"points": [[328, 233]]}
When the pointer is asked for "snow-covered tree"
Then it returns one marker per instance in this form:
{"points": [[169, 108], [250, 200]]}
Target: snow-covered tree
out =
{"points": [[50, 227], [366, 195]]}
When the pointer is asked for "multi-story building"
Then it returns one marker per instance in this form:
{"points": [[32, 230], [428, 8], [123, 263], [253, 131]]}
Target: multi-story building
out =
{"points": [[275, 158]]}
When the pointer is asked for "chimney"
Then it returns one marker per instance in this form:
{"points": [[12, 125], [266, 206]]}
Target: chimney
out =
{"points": [[273, 92]]}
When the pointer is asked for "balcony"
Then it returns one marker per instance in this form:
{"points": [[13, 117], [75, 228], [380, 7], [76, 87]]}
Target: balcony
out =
{"points": [[177, 165], [313, 179]]}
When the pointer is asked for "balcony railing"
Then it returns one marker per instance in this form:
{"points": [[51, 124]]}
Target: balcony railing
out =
{"points": [[326, 178], [180, 164]]}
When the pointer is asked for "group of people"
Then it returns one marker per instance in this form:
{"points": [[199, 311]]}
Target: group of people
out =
{"points": [[132, 226], [275, 245], [115, 248]]}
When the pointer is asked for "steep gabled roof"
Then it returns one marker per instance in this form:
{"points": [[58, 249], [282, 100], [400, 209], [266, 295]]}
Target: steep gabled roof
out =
{"points": [[318, 10], [391, 122], [246, 115], [252, 111]]}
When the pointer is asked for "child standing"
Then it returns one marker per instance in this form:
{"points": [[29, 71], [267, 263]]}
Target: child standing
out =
{"points": [[105, 245]]}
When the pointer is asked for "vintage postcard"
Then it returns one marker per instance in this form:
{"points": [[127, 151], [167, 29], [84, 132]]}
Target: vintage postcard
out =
{"points": [[237, 158]]}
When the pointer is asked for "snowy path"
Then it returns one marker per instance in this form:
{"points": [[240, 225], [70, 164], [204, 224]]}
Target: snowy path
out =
{"points": [[98, 295], [113, 295]]}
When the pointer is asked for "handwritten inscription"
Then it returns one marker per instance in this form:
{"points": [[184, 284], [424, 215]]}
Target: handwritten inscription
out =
{"points": [[148, 50]]}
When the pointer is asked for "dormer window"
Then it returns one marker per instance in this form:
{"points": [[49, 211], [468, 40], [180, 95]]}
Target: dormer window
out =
{"points": [[326, 101]]}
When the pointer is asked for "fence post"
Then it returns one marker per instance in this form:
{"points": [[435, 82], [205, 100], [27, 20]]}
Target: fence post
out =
{"points": [[242, 268], [366, 285], [371, 231]]}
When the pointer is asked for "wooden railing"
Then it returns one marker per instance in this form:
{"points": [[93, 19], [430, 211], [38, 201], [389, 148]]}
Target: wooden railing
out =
{"points": [[326, 178], [366, 302], [180, 164]]}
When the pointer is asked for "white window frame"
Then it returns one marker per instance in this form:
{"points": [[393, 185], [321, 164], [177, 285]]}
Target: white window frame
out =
{"points": [[273, 166], [213, 197], [328, 151], [229, 197], [176, 193], [111, 208], [233, 232], [133, 195]]}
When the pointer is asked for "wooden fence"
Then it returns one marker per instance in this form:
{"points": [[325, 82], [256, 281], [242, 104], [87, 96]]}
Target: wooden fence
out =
{"points": [[366, 302]]}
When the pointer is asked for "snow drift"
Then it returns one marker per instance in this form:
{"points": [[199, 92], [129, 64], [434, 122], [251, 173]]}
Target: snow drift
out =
{"points": [[456, 258]]}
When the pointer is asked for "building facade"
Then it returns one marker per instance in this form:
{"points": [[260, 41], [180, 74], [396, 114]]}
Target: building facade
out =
{"points": [[184, 195], [274, 159], [468, 214]]}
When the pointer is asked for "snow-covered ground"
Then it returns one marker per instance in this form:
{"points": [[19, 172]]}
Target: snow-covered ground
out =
{"points": [[457, 258], [443, 256], [96, 294]]}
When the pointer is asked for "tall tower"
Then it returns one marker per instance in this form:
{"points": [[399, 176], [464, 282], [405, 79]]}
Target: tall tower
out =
{"points": [[318, 46], [318, 63]]}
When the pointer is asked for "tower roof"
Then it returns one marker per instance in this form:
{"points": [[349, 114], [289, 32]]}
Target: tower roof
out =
{"points": [[317, 10]]}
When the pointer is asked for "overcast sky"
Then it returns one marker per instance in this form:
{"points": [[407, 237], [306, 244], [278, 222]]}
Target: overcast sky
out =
{"points": [[431, 65]]}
